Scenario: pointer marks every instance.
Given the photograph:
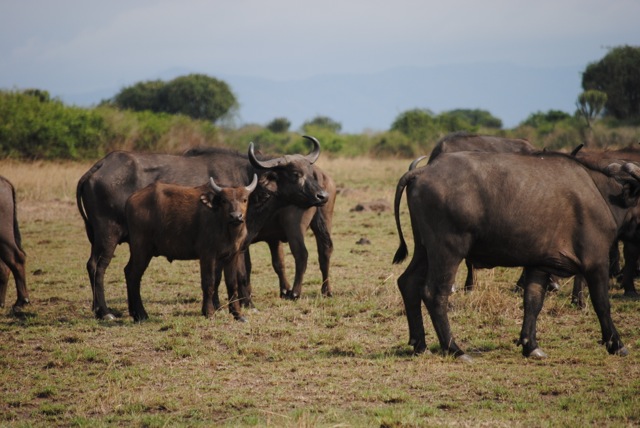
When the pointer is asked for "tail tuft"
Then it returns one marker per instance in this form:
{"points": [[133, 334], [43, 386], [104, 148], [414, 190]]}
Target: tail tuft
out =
{"points": [[401, 253]]}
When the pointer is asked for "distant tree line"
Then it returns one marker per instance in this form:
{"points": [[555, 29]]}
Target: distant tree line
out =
{"points": [[175, 115]]}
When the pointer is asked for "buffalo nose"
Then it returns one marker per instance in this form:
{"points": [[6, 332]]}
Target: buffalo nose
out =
{"points": [[322, 196], [236, 217]]}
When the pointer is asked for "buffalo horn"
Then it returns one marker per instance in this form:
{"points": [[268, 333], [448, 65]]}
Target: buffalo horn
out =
{"points": [[315, 153], [251, 187], [632, 169], [415, 163], [613, 169], [214, 186], [575, 151], [272, 163]]}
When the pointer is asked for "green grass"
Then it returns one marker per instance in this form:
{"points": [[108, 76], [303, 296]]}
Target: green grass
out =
{"points": [[341, 361]]}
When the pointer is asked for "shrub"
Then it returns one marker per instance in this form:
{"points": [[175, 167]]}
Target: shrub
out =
{"points": [[36, 127]]}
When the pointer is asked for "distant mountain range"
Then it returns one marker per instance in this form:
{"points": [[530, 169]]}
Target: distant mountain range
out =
{"points": [[371, 102]]}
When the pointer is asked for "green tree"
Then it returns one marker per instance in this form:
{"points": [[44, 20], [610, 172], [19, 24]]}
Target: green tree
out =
{"points": [[449, 121], [543, 119], [196, 95], [322, 122], [478, 117], [199, 96], [590, 105], [279, 125], [617, 75], [140, 97], [418, 124]]}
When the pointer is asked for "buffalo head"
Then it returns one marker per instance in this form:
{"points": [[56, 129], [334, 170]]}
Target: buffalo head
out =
{"points": [[294, 176], [233, 200]]}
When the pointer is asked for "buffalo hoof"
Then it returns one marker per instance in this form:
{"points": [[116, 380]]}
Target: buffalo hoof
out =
{"points": [[632, 294], [622, 352], [140, 317], [291, 296], [108, 317], [537, 354], [419, 346], [18, 307], [465, 358], [241, 319], [285, 294]]}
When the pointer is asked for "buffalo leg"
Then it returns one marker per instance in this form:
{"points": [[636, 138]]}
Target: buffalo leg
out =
{"points": [[410, 283], [577, 294], [598, 283], [207, 283], [99, 260], [435, 295], [321, 228], [470, 281], [4, 281], [133, 272], [231, 275], [614, 261], [243, 278], [301, 257], [215, 300], [277, 262], [535, 287], [14, 259], [631, 254]]}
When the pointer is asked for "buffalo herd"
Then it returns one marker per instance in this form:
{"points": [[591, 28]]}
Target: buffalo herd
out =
{"points": [[490, 201]]}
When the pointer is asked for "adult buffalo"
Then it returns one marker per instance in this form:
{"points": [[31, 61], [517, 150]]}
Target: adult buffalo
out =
{"points": [[289, 225], [103, 190], [546, 212], [631, 249], [186, 223], [12, 256], [468, 142]]}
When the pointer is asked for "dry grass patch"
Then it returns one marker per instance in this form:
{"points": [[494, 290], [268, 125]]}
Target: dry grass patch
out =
{"points": [[341, 361]]}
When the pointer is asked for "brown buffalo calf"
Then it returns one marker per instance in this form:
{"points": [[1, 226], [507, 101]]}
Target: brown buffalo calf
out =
{"points": [[12, 257], [186, 223]]}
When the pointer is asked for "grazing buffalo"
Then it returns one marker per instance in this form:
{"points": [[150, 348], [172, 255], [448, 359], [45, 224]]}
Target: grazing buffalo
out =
{"points": [[289, 225], [12, 257], [547, 212], [103, 190], [186, 223]]}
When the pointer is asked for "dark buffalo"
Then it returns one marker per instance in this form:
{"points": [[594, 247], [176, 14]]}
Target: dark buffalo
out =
{"points": [[103, 190], [467, 142], [289, 225], [631, 249], [12, 257], [549, 213], [186, 223]]}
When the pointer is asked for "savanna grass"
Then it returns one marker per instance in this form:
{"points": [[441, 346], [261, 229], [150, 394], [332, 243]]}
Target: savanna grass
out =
{"points": [[340, 361]]}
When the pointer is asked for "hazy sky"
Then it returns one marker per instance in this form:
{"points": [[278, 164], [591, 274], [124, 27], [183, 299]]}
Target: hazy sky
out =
{"points": [[70, 46]]}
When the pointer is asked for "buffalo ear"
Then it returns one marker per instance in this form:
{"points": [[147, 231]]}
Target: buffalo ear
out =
{"points": [[207, 199], [268, 181]]}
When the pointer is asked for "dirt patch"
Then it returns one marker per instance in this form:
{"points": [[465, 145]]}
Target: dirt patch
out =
{"points": [[379, 206]]}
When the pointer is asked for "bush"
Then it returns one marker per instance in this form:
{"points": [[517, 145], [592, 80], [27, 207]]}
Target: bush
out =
{"points": [[36, 127]]}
